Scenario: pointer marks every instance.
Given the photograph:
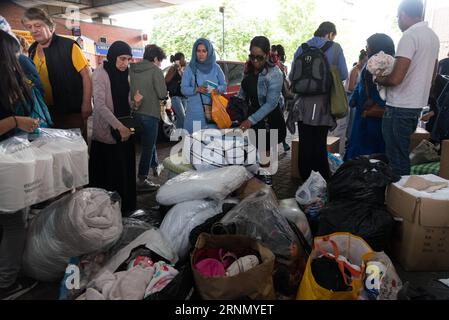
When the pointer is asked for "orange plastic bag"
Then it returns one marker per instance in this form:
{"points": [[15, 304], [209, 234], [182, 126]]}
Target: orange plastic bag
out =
{"points": [[219, 114], [348, 245]]}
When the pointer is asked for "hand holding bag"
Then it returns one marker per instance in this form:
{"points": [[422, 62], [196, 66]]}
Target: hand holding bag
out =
{"points": [[131, 123]]}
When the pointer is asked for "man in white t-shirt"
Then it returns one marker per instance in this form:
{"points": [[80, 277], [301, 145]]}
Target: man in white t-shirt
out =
{"points": [[408, 86]]}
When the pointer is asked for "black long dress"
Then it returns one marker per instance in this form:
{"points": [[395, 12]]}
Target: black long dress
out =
{"points": [[113, 167]]}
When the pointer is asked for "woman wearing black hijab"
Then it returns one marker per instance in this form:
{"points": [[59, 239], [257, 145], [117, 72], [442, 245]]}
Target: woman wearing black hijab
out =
{"points": [[366, 135], [112, 156]]}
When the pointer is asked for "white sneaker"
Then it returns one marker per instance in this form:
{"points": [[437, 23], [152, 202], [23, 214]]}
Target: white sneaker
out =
{"points": [[147, 186], [158, 170]]}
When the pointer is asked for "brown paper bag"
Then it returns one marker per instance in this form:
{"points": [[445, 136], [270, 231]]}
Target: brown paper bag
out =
{"points": [[256, 284]]}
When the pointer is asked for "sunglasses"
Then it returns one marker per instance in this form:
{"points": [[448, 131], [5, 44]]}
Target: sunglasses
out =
{"points": [[258, 58]]}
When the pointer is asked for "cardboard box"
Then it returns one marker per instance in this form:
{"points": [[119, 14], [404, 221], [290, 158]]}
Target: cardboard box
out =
{"points": [[444, 160], [421, 237], [416, 138], [333, 146]]}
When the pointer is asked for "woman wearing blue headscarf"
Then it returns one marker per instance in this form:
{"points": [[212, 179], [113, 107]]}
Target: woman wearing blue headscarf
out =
{"points": [[366, 134], [202, 68]]}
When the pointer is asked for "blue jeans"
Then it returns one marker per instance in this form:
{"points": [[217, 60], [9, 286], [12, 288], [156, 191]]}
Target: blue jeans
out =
{"points": [[398, 125], [148, 140], [179, 107]]}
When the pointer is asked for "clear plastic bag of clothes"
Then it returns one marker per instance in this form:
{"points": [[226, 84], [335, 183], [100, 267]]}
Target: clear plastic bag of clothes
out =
{"points": [[289, 209], [312, 190], [258, 216], [84, 222], [189, 186], [381, 279], [151, 216], [182, 219]]}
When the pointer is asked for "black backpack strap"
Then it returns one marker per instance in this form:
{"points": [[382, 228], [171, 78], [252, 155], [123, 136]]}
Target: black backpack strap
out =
{"points": [[201, 95], [327, 46], [305, 47]]}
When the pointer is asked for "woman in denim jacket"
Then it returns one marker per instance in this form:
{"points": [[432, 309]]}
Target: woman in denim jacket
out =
{"points": [[261, 89]]}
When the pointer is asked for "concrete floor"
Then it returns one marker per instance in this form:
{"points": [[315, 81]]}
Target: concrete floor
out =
{"points": [[285, 187]]}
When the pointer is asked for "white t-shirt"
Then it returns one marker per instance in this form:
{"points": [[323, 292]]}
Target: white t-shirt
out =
{"points": [[421, 45]]}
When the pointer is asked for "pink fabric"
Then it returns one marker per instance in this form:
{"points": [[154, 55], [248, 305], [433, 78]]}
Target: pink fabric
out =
{"points": [[211, 268]]}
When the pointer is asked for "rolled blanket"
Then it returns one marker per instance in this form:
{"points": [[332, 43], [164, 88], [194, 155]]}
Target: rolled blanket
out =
{"points": [[380, 64], [85, 222]]}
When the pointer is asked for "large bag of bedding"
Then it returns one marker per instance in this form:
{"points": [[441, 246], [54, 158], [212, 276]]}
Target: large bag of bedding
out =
{"points": [[192, 185], [85, 222]]}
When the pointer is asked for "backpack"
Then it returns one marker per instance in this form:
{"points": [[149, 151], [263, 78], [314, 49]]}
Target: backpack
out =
{"points": [[311, 71]]}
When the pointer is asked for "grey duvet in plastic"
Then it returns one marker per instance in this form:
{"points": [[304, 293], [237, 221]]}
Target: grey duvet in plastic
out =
{"points": [[192, 185], [85, 222]]}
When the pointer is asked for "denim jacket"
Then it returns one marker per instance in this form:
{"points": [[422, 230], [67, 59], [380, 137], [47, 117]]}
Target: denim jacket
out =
{"points": [[269, 90]]}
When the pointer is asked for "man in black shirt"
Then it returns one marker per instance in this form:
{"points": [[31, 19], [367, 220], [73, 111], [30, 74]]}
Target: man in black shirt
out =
{"points": [[443, 66]]}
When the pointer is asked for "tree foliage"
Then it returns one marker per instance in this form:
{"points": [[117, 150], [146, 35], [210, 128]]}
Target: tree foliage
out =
{"points": [[177, 28]]}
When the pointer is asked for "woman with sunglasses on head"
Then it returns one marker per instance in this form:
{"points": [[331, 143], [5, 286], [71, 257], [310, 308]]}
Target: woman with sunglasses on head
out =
{"points": [[202, 68], [261, 89]]}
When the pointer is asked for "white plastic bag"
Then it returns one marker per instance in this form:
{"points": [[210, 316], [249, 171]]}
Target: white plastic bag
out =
{"points": [[313, 190], [216, 184], [289, 209], [85, 222], [182, 219], [26, 175]]}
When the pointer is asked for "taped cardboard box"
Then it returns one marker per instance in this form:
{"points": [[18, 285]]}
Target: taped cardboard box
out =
{"points": [[416, 138], [421, 237], [333, 146]]}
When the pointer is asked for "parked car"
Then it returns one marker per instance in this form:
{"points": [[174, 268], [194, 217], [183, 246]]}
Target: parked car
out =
{"points": [[233, 71]]}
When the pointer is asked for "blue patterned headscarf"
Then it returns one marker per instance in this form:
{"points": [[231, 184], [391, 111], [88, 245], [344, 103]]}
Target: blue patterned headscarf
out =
{"points": [[207, 65]]}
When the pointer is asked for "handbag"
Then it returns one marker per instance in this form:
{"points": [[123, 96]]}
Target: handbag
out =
{"points": [[131, 123], [338, 96], [372, 109]]}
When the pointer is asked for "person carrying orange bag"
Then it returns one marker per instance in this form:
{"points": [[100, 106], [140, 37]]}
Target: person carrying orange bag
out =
{"points": [[219, 114]]}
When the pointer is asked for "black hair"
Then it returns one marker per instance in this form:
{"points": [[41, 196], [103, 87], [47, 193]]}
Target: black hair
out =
{"points": [[14, 87], [262, 43], [412, 8], [325, 28], [153, 51], [363, 54], [380, 42], [178, 56], [281, 52]]}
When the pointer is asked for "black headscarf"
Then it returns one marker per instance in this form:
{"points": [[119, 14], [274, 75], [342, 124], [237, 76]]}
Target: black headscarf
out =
{"points": [[119, 79], [380, 42]]}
